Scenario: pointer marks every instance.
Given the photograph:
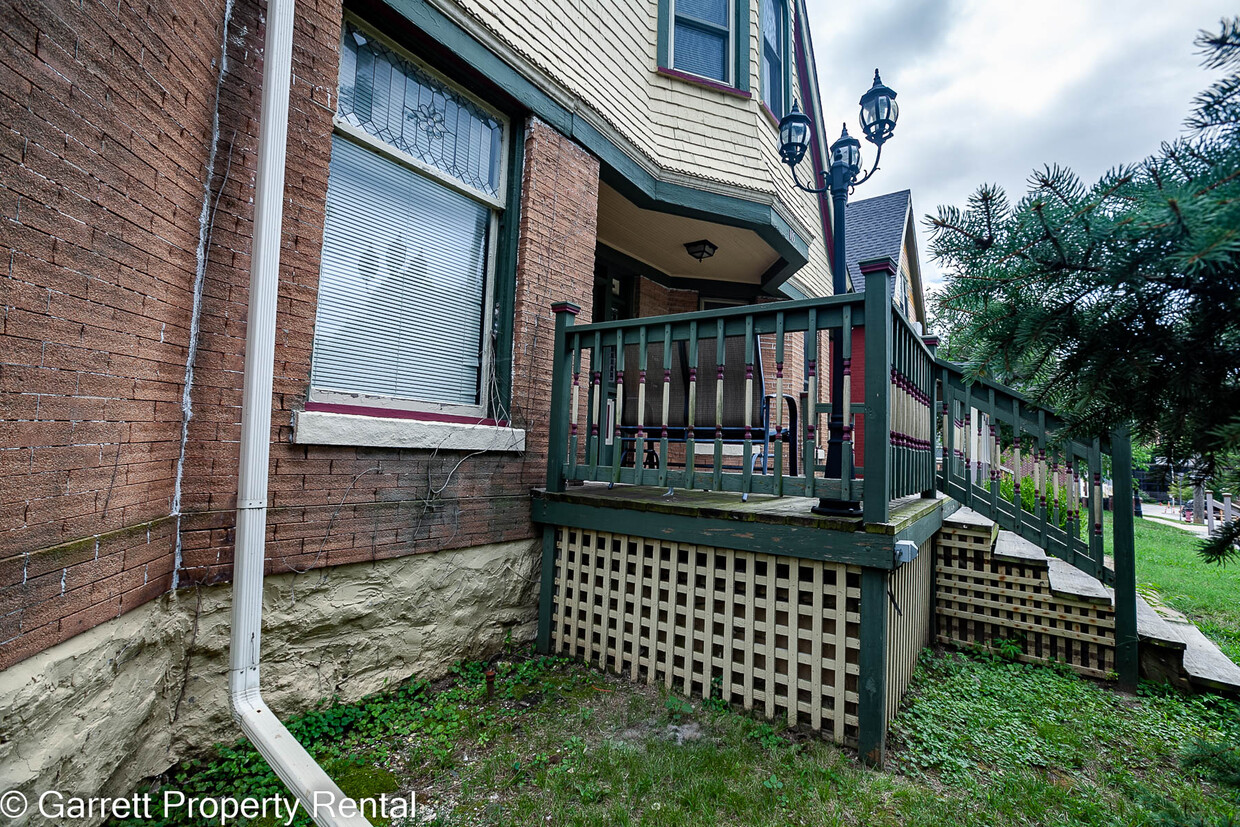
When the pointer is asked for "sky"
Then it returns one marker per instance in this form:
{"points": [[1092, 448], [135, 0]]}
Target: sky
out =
{"points": [[989, 91]]}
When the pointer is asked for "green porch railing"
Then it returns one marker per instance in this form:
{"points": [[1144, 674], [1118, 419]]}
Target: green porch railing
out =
{"points": [[1005, 457], [656, 400]]}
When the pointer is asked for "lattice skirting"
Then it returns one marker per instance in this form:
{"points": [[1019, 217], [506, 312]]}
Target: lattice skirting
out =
{"points": [[908, 622], [776, 635], [981, 599]]}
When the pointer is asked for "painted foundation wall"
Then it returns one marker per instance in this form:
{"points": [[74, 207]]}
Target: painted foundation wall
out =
{"points": [[122, 702]]}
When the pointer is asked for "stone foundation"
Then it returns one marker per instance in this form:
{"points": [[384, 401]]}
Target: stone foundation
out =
{"points": [[122, 702]]}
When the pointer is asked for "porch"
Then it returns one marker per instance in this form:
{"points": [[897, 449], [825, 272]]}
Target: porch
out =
{"points": [[684, 541]]}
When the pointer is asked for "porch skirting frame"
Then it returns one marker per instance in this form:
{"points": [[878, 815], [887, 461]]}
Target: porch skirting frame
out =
{"points": [[777, 635]]}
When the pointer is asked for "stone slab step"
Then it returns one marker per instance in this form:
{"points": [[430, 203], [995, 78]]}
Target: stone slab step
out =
{"points": [[1206, 665], [1069, 581], [968, 518], [1014, 548]]}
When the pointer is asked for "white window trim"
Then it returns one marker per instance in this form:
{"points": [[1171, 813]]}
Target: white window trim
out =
{"points": [[495, 204], [730, 60], [326, 428]]}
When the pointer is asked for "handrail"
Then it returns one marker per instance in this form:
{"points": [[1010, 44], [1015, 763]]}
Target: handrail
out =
{"points": [[1005, 457]]}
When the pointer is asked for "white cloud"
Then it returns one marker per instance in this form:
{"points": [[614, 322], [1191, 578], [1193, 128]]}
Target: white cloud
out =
{"points": [[989, 91]]}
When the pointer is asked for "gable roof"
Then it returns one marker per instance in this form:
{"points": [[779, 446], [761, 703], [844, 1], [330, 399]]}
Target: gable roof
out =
{"points": [[874, 228], [883, 226]]}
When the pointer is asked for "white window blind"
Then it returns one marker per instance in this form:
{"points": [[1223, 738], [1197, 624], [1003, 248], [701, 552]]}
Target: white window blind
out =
{"points": [[402, 283]]}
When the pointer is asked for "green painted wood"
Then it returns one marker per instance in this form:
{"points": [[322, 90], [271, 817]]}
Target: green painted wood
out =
{"points": [[643, 379], [506, 277], [777, 409], [664, 30], [557, 430], [741, 48], [878, 355], [872, 663], [694, 389], [617, 453], [574, 436], [720, 361], [808, 435], [796, 315], [667, 388], [847, 471], [594, 389], [546, 591], [1123, 547], [1095, 505], [788, 539], [747, 447]]}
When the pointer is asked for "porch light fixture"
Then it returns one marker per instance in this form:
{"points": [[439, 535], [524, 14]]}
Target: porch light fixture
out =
{"points": [[878, 121], [701, 249]]}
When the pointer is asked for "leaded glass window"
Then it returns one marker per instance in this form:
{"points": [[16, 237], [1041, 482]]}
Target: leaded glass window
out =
{"points": [[400, 103]]}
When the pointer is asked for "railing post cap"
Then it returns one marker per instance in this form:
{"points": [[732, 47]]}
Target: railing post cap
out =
{"points": [[566, 307], [931, 341], [881, 264]]}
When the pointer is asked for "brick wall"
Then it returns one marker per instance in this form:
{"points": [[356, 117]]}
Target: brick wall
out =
{"points": [[107, 114], [103, 167]]}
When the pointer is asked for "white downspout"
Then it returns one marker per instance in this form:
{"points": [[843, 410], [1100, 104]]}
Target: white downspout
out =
{"points": [[319, 795]]}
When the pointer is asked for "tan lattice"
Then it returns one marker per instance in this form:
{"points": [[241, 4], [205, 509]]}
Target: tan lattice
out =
{"points": [[908, 622], [773, 634], [981, 599]]}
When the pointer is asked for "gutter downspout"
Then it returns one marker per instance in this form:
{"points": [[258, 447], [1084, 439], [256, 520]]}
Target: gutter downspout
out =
{"points": [[319, 796]]}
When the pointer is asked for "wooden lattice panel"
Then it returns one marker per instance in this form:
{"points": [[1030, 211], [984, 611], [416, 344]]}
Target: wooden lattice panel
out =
{"points": [[908, 622], [773, 634], [981, 598]]}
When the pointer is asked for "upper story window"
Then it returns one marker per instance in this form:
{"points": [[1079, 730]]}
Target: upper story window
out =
{"points": [[702, 38], [706, 38], [776, 78], [413, 200]]}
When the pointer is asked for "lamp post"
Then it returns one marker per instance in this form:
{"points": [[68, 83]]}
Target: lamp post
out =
{"points": [[878, 121]]}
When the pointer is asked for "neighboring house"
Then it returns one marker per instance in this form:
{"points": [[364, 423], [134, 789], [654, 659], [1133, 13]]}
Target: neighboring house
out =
{"points": [[883, 226], [454, 168]]}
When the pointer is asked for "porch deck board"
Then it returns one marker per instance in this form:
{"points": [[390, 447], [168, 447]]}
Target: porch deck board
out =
{"points": [[760, 508]]}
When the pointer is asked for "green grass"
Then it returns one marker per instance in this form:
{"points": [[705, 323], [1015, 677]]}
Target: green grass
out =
{"points": [[981, 741], [1209, 595]]}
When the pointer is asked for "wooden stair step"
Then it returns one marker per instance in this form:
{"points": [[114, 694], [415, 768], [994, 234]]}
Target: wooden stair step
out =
{"points": [[1069, 581], [1013, 548], [968, 518], [1153, 628], [1206, 665]]}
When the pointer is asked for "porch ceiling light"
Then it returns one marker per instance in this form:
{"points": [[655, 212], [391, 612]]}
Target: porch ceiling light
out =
{"points": [[701, 249]]}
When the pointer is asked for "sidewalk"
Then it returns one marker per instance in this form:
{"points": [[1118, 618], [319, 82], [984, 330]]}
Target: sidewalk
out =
{"points": [[1170, 518]]}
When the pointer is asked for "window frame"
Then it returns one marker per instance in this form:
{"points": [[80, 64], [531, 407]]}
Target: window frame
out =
{"points": [[497, 206], [737, 61], [785, 57]]}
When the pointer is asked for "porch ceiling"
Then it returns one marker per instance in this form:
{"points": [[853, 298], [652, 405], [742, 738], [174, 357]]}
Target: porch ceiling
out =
{"points": [[658, 239]]}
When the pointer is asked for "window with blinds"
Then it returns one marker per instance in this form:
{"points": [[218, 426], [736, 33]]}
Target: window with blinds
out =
{"points": [[774, 51], [413, 197], [702, 38]]}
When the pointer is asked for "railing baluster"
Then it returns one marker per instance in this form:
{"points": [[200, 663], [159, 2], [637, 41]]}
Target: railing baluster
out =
{"points": [[575, 412], [617, 442], [996, 455], [690, 443], [667, 402], [639, 457], [1018, 432], [596, 370], [809, 413], [778, 447], [968, 445], [846, 436], [747, 477], [720, 362], [1095, 504]]}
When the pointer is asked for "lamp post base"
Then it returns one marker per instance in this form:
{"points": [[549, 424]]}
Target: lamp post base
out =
{"points": [[837, 508]]}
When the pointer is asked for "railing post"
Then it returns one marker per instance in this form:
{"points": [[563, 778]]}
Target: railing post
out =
{"points": [[876, 501], [1125, 561], [932, 342], [872, 663], [557, 430]]}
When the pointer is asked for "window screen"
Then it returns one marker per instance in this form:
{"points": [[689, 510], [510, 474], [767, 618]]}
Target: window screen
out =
{"points": [[702, 38], [773, 26]]}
